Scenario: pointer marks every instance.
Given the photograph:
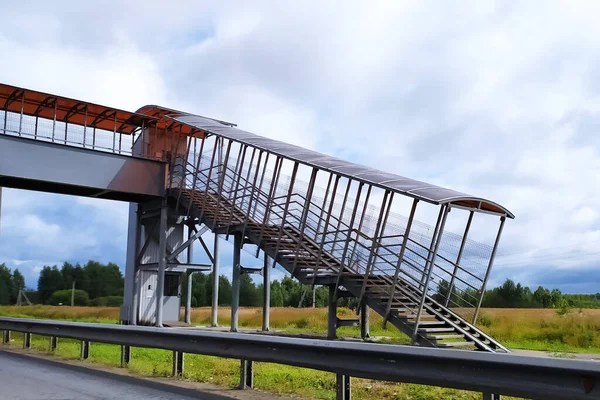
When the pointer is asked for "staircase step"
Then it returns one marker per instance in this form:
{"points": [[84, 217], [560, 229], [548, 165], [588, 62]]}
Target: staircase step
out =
{"points": [[442, 337], [427, 330], [455, 344]]}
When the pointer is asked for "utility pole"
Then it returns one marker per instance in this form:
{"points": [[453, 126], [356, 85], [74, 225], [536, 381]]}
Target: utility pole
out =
{"points": [[73, 294]]}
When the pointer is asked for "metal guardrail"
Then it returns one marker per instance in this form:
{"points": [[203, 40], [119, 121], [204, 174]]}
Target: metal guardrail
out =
{"points": [[492, 374]]}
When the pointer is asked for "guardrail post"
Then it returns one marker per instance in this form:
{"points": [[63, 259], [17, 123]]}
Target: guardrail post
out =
{"points": [[125, 356], [491, 396], [85, 350], [342, 387], [53, 343], [177, 363], [27, 340], [364, 320], [6, 337], [246, 374]]}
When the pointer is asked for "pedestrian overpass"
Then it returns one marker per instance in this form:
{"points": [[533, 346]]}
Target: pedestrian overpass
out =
{"points": [[325, 220]]}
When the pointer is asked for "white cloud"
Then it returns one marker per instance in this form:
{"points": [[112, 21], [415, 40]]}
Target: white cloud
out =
{"points": [[492, 98]]}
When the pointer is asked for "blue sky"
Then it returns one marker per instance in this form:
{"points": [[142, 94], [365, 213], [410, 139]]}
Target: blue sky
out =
{"points": [[498, 99]]}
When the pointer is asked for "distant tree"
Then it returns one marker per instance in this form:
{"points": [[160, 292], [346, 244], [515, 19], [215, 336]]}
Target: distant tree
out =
{"points": [[224, 291], [542, 297], [50, 281], [5, 285], [64, 297], [17, 284], [249, 294], [276, 294]]}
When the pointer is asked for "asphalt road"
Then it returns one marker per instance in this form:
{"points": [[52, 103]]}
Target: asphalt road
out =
{"points": [[29, 378]]}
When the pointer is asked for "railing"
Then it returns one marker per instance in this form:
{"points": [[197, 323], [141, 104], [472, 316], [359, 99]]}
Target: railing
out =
{"points": [[492, 374], [361, 254], [73, 135]]}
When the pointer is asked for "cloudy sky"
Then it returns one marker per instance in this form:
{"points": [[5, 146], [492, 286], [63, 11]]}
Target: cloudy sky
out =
{"points": [[494, 98]]}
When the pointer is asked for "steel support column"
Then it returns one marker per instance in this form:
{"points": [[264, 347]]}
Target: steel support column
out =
{"points": [[246, 374], [459, 257], [177, 363], [332, 313], [440, 235], [266, 294], [342, 387], [125, 356], [214, 312], [53, 343], [188, 301], [489, 268], [364, 320], [162, 260], [84, 353], [235, 284], [27, 340]]}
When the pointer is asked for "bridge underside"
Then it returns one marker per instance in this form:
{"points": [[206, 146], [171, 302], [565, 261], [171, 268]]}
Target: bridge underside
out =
{"points": [[49, 167]]}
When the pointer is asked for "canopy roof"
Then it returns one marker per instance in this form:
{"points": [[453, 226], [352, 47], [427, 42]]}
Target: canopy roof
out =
{"points": [[64, 109], [396, 183]]}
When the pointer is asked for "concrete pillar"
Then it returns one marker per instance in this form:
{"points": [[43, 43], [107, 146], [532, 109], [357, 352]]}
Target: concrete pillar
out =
{"points": [[364, 320], [235, 284], [214, 312], [266, 294], [162, 262], [332, 314]]}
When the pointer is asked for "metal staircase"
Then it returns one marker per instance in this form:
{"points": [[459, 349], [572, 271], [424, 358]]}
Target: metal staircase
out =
{"points": [[293, 232]]}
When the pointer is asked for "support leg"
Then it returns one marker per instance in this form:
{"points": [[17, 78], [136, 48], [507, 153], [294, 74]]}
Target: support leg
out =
{"points": [[332, 314], [188, 303], [364, 321], [85, 350], [215, 295], [53, 343], [342, 387], [235, 295], [267, 294], [162, 261], [125, 356], [177, 363], [6, 337], [246, 375], [27, 340], [491, 396]]}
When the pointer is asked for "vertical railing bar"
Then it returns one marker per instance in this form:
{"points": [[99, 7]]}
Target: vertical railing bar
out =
{"points": [[273, 189], [326, 226], [114, 132], [459, 257], [339, 225], [212, 164], [36, 127], [435, 251], [85, 126], [22, 109], [54, 120], [195, 172], [237, 166], [222, 177], [238, 171], [262, 178], [307, 204], [285, 210], [260, 154], [323, 205], [66, 131], [348, 236], [433, 240], [490, 264], [374, 245], [400, 259], [184, 170], [247, 178]]}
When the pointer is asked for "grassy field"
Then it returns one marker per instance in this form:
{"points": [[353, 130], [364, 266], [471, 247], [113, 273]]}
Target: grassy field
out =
{"points": [[521, 328]]}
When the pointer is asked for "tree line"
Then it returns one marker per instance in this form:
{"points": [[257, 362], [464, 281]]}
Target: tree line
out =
{"points": [[102, 284]]}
